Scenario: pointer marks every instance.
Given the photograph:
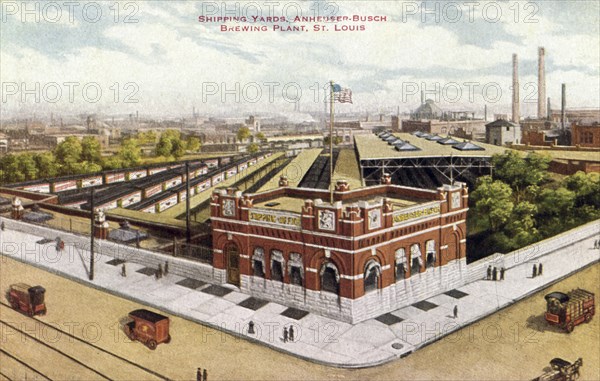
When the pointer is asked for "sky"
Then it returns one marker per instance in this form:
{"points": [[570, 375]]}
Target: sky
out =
{"points": [[155, 57]]}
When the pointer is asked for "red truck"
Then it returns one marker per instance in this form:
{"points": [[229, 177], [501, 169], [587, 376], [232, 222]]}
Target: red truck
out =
{"points": [[571, 309], [148, 327], [30, 300]]}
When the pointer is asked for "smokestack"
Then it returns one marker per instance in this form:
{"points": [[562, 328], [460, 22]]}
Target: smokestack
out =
{"points": [[563, 106], [485, 113], [541, 83], [549, 116], [515, 83]]}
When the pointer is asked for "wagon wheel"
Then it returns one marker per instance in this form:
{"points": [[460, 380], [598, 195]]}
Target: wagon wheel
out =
{"points": [[588, 317], [570, 327], [168, 339], [152, 344]]}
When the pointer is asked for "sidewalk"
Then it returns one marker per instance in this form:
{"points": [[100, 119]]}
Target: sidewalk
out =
{"points": [[317, 338]]}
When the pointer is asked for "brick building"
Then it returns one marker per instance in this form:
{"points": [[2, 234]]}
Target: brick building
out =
{"points": [[372, 251], [585, 135]]}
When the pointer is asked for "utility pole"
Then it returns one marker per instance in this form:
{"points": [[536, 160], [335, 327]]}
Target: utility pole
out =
{"points": [[331, 142], [92, 235], [188, 232]]}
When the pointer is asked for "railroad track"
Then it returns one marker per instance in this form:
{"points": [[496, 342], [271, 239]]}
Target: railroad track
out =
{"points": [[149, 373], [22, 363]]}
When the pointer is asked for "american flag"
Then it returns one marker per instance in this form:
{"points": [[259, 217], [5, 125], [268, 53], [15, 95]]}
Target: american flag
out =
{"points": [[342, 95]]}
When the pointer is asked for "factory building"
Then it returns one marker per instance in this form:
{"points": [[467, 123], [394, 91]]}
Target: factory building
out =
{"points": [[501, 132], [371, 251]]}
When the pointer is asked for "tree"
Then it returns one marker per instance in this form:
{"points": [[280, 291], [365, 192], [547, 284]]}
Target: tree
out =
{"points": [[68, 153], [586, 188], [170, 144], [27, 166], [556, 210], [177, 148], [493, 200], [90, 149], [243, 134], [46, 164], [260, 136], [130, 153], [193, 144], [522, 228], [519, 172], [164, 147], [336, 140], [11, 170], [253, 148]]}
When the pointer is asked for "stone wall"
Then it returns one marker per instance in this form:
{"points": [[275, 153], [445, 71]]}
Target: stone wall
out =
{"points": [[178, 266]]}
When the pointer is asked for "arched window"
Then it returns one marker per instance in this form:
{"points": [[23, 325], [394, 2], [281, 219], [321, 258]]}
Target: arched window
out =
{"points": [[330, 278], [258, 262], [277, 262], [415, 259], [430, 252], [400, 264], [296, 269], [372, 274]]}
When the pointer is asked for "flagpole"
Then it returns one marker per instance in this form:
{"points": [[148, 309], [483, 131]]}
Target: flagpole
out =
{"points": [[331, 142]]}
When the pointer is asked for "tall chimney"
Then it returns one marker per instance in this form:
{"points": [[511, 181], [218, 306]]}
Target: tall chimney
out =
{"points": [[515, 84], [485, 113], [563, 105], [541, 83], [549, 110]]}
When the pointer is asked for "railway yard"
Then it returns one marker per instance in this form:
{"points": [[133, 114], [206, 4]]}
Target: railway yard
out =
{"points": [[74, 341]]}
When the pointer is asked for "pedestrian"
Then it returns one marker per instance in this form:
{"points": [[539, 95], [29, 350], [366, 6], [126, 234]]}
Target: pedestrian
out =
{"points": [[534, 271], [455, 311], [160, 271], [204, 375], [156, 275], [123, 270], [502, 270], [540, 269], [495, 272], [595, 243], [285, 334], [2, 226], [199, 375], [166, 267], [291, 333], [489, 272]]}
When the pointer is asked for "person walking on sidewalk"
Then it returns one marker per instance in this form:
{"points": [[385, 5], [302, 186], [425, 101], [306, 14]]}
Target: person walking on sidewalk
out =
{"points": [[123, 270], [455, 311], [502, 270], [540, 268], [205, 375], [291, 333], [495, 274], [285, 334], [166, 267], [199, 375], [489, 272], [534, 273]]}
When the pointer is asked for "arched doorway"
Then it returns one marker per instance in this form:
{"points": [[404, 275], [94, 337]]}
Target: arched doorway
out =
{"points": [[232, 254]]}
